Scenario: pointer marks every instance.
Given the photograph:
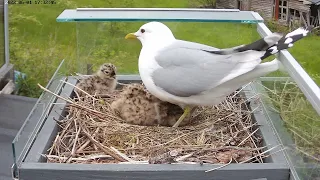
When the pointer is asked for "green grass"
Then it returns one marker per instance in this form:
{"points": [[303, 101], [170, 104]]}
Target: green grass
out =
{"points": [[38, 43], [98, 42], [300, 120], [306, 52]]}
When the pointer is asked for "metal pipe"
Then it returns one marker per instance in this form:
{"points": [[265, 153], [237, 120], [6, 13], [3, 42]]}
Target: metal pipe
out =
{"points": [[6, 32]]}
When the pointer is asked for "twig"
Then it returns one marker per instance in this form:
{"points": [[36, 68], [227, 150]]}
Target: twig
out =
{"points": [[121, 154], [83, 146], [129, 144], [181, 158], [134, 162], [77, 159], [172, 140], [123, 84], [107, 150], [251, 139], [203, 147], [258, 155], [77, 88], [274, 153], [77, 105], [71, 103], [73, 151], [88, 141], [248, 137], [54, 143], [220, 166]]}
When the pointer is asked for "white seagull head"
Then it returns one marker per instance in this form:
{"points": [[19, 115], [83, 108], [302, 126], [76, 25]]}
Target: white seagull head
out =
{"points": [[153, 33]]}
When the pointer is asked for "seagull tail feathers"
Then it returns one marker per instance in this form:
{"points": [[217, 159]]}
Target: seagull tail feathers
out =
{"points": [[259, 45], [271, 44], [262, 44], [287, 41]]}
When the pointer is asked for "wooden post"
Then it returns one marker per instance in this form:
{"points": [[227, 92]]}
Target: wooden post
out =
{"points": [[302, 18], [318, 14], [308, 18], [8, 88], [276, 9]]}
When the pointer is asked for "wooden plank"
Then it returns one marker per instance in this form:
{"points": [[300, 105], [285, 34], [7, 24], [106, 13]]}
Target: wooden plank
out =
{"points": [[264, 8], [308, 18], [294, 4], [276, 9], [8, 88], [302, 18], [6, 72], [315, 21], [43, 171]]}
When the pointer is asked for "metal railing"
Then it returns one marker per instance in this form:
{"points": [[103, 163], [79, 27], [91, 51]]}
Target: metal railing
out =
{"points": [[6, 36]]}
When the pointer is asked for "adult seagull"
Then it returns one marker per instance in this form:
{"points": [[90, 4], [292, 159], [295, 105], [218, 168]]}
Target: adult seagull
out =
{"points": [[190, 74]]}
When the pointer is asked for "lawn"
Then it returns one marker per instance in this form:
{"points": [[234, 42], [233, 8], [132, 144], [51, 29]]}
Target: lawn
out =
{"points": [[38, 43]]}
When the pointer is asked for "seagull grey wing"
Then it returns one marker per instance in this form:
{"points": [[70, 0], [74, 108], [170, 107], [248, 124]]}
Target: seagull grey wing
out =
{"points": [[187, 69], [192, 45]]}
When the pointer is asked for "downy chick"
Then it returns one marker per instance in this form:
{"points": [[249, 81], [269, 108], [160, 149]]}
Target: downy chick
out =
{"points": [[137, 106], [102, 82]]}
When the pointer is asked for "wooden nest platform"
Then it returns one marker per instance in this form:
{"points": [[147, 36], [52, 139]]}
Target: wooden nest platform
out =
{"points": [[92, 133]]}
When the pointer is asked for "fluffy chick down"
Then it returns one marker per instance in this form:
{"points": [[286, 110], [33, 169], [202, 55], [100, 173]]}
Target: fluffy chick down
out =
{"points": [[137, 106], [102, 82]]}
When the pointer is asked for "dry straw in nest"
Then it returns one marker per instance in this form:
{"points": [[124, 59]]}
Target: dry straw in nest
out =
{"points": [[92, 133]]}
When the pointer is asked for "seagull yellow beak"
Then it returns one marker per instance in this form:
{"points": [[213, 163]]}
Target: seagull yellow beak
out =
{"points": [[131, 36]]}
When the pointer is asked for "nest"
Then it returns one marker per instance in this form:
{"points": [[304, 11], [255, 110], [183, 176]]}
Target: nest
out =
{"points": [[91, 132]]}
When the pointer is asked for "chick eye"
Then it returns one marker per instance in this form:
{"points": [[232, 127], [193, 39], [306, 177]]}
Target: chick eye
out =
{"points": [[142, 30]]}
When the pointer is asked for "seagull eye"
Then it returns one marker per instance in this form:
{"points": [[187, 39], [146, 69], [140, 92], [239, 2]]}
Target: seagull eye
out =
{"points": [[142, 30]]}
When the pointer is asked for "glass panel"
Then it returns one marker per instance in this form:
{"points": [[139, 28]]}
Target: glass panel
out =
{"points": [[2, 52], [99, 42], [293, 118], [36, 118], [185, 15], [296, 122]]}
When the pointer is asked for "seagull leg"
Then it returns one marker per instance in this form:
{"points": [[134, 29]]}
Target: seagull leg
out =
{"points": [[187, 110]]}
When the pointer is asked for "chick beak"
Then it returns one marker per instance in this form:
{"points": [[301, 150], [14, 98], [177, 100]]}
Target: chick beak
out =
{"points": [[131, 36]]}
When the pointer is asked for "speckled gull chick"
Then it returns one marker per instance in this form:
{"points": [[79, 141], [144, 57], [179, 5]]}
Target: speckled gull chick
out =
{"points": [[190, 74]]}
